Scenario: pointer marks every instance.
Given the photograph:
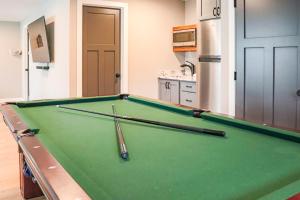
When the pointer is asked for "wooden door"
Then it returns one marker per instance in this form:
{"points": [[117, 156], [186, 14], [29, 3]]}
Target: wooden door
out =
{"points": [[101, 51], [268, 62]]}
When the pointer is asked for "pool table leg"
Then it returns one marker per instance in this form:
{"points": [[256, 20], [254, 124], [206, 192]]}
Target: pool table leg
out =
{"points": [[29, 189]]}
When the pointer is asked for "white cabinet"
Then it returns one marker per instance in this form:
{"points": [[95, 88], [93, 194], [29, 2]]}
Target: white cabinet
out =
{"points": [[209, 9], [164, 92], [188, 99], [188, 94], [169, 90], [178, 91], [188, 86]]}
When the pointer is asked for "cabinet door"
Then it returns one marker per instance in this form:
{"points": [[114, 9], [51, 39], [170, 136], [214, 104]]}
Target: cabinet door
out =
{"points": [[208, 9], [174, 87], [164, 92]]}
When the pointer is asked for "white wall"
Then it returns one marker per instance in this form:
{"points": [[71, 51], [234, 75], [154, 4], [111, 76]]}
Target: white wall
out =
{"points": [[55, 82], [150, 42], [10, 66], [150, 47]]}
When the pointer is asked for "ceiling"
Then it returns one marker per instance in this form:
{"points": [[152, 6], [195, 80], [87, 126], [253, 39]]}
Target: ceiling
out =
{"points": [[18, 10]]}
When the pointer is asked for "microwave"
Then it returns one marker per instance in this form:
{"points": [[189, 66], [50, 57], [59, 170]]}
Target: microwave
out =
{"points": [[185, 36]]}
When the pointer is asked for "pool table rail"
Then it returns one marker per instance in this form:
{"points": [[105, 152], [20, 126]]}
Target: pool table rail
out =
{"points": [[12, 120], [54, 181]]}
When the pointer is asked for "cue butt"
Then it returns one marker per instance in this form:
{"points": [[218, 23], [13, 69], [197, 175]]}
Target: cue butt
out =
{"points": [[157, 123], [120, 137]]}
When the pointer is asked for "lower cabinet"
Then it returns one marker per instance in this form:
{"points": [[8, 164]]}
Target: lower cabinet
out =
{"points": [[178, 92], [188, 99], [188, 94], [169, 90]]}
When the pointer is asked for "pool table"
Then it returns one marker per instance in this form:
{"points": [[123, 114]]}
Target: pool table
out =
{"points": [[74, 155]]}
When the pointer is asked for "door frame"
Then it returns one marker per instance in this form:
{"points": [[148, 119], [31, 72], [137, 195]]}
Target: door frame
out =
{"points": [[123, 40]]}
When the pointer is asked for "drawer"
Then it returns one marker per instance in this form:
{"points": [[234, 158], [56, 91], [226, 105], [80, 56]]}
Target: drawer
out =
{"points": [[187, 86], [188, 99]]}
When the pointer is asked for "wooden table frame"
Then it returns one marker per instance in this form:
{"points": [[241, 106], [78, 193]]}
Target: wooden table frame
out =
{"points": [[53, 180]]}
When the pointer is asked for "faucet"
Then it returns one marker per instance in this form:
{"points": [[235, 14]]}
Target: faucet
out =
{"points": [[189, 65]]}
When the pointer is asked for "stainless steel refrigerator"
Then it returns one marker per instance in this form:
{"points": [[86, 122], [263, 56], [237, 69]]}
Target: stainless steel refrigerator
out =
{"points": [[209, 66]]}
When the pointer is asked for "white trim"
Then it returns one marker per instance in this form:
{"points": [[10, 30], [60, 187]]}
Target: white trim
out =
{"points": [[124, 40], [227, 101], [11, 100], [24, 41]]}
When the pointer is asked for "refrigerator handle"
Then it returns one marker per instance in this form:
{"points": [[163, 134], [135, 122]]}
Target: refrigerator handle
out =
{"points": [[210, 59]]}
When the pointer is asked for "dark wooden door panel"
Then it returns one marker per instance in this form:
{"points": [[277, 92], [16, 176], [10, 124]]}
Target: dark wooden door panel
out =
{"points": [[267, 62], [102, 35], [101, 27], [109, 68], [92, 72]]}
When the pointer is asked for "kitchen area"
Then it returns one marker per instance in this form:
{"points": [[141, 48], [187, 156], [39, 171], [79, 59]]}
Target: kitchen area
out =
{"points": [[197, 83]]}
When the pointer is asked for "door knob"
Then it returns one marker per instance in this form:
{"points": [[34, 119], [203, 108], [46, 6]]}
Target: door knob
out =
{"points": [[298, 93], [118, 75]]}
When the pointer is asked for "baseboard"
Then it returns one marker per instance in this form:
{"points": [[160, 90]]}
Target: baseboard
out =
{"points": [[11, 100]]}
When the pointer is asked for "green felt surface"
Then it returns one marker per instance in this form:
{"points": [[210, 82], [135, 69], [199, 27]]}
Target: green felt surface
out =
{"points": [[165, 163]]}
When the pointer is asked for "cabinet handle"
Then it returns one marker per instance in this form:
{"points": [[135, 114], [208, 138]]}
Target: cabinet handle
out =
{"points": [[215, 11], [188, 86], [166, 85], [298, 93], [218, 11], [188, 100]]}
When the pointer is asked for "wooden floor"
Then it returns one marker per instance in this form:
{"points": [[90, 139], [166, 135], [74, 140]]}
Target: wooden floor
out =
{"points": [[9, 165]]}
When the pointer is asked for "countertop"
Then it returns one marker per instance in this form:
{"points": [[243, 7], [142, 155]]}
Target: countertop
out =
{"points": [[179, 78]]}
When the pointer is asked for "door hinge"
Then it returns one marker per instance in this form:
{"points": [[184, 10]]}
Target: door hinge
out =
{"points": [[234, 3], [235, 76]]}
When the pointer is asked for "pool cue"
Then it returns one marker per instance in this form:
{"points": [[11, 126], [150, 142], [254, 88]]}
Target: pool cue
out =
{"points": [[120, 136], [158, 123]]}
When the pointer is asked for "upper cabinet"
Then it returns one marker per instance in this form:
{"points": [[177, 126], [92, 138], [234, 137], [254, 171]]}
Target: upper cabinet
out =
{"points": [[209, 9], [185, 38]]}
